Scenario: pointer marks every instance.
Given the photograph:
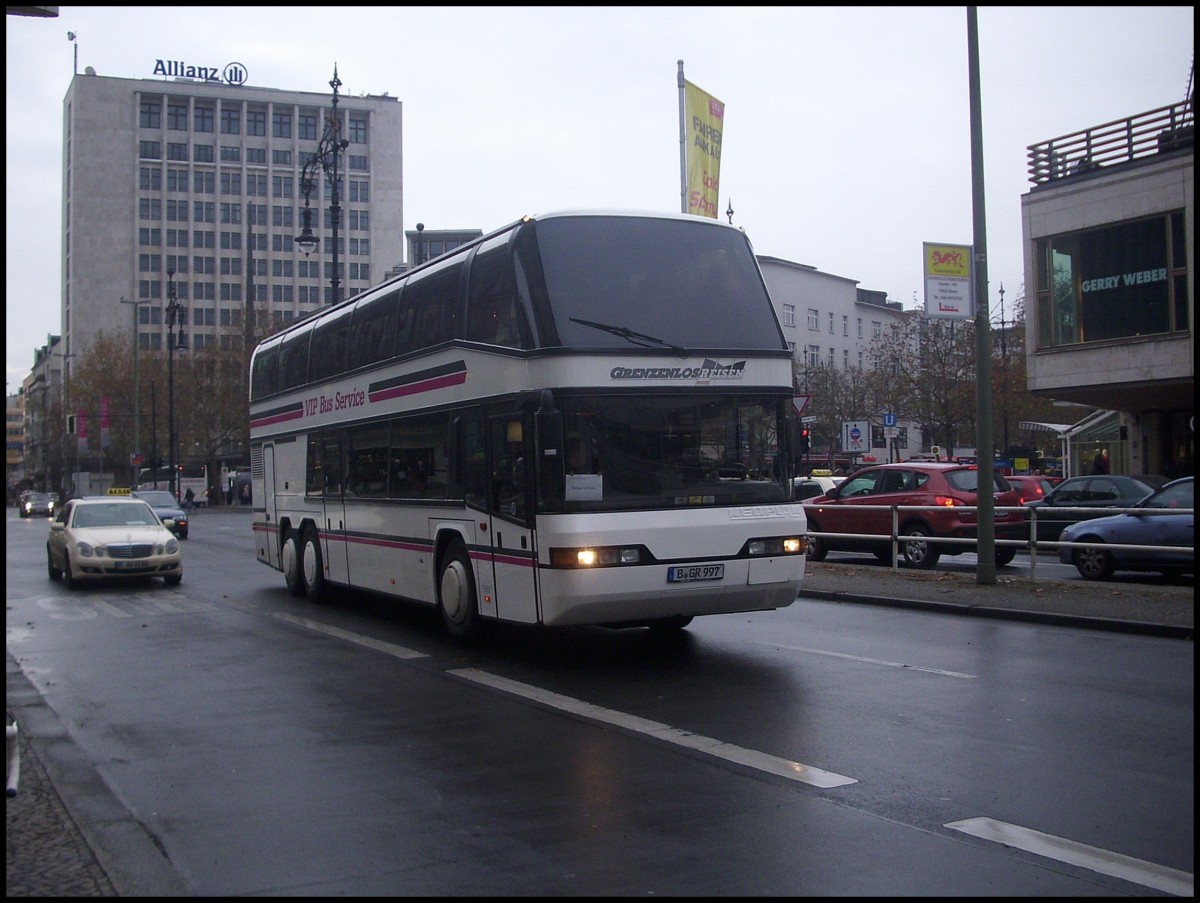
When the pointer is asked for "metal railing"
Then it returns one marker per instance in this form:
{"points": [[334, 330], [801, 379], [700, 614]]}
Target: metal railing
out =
{"points": [[1158, 131], [1030, 543]]}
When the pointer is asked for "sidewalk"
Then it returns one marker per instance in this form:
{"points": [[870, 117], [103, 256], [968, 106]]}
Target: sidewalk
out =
{"points": [[68, 835]]}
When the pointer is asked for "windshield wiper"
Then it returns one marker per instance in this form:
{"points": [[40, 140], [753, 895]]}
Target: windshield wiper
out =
{"points": [[636, 338]]}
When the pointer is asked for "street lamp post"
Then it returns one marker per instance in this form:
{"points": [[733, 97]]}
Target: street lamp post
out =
{"points": [[174, 315], [137, 411], [324, 159], [420, 243]]}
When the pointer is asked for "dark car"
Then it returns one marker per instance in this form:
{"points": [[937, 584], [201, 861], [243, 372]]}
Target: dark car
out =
{"points": [[944, 489], [1029, 487], [1163, 519], [165, 506], [38, 504], [1099, 491]]}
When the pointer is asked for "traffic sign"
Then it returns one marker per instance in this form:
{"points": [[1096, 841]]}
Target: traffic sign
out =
{"points": [[889, 419]]}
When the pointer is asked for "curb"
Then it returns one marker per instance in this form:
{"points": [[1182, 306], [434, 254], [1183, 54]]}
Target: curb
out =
{"points": [[1142, 628]]}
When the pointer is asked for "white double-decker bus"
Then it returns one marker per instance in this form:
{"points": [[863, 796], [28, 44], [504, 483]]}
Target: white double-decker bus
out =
{"points": [[581, 418]]}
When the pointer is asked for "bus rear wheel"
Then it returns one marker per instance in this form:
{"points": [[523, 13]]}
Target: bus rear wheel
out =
{"points": [[456, 593], [289, 559], [312, 568]]}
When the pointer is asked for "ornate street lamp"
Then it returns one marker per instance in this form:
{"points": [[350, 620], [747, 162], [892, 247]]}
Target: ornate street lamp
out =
{"points": [[175, 314], [326, 160]]}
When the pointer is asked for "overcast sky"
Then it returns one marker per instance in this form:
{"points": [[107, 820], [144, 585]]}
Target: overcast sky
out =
{"points": [[847, 130]]}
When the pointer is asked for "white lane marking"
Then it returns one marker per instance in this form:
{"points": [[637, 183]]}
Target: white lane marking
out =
{"points": [[796, 771], [1136, 871], [329, 630], [869, 661]]}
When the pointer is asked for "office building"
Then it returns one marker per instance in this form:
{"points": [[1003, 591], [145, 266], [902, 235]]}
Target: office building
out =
{"points": [[194, 179]]}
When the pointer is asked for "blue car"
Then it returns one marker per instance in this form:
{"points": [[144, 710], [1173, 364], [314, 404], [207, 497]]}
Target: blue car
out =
{"points": [[1164, 518]]}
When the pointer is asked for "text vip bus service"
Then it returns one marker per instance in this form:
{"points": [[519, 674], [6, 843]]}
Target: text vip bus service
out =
{"points": [[579, 419]]}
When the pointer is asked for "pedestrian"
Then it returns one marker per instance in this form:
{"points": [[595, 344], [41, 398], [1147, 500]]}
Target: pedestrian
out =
{"points": [[1100, 462], [245, 494], [189, 500]]}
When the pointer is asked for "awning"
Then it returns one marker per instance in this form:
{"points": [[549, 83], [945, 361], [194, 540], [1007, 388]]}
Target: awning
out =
{"points": [[1060, 428]]}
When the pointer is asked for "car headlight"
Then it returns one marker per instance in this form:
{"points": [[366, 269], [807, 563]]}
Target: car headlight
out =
{"points": [[85, 549], [172, 546]]}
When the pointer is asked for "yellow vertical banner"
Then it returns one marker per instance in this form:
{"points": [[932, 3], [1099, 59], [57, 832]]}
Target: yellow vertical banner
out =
{"points": [[705, 124]]}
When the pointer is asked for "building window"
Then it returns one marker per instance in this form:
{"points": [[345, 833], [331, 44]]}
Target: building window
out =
{"points": [[149, 150], [150, 115], [859, 326], [358, 130], [204, 183], [256, 184], [177, 118], [231, 154], [231, 214], [231, 183], [177, 238], [177, 211], [845, 325], [256, 123], [357, 163], [307, 126], [231, 121], [202, 119], [281, 216], [876, 329], [814, 322], [1115, 282], [283, 187], [845, 358], [149, 209], [204, 212], [177, 180], [812, 356], [150, 178], [203, 239], [360, 220], [281, 157], [831, 322], [231, 241], [281, 125], [359, 191], [202, 153], [177, 263], [789, 315], [177, 151], [256, 156]]}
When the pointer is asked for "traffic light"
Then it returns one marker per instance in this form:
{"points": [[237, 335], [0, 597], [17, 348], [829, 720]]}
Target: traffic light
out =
{"points": [[70, 424], [804, 441]]}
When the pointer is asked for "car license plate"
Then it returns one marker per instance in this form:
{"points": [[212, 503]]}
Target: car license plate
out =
{"points": [[689, 573], [129, 565]]}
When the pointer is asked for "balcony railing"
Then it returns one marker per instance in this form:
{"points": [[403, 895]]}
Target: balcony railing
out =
{"points": [[1144, 135]]}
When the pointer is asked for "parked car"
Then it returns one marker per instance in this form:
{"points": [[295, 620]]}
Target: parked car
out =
{"points": [[1099, 492], [38, 504], [1164, 518], [1029, 487], [167, 509], [944, 488], [107, 537]]}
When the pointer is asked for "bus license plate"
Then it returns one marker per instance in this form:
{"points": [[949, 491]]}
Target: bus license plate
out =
{"points": [[691, 572]]}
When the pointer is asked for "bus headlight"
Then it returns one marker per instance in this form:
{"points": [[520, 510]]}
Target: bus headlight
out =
{"points": [[779, 545], [595, 556]]}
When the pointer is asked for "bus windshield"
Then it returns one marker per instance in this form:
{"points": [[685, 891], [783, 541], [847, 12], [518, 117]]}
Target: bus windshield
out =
{"points": [[664, 451], [654, 283]]}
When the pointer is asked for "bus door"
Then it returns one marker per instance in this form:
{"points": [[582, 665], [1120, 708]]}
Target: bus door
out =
{"points": [[333, 525], [510, 517], [268, 497]]}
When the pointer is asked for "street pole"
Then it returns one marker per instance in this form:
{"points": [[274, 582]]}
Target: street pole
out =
{"points": [[137, 411]]}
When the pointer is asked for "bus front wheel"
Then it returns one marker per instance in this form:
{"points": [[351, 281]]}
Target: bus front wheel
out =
{"points": [[456, 593], [289, 558]]}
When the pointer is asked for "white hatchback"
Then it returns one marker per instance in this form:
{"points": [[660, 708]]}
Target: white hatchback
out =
{"points": [[109, 537]]}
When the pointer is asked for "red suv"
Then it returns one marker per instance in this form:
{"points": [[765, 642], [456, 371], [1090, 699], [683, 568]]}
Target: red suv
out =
{"points": [[945, 488]]}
